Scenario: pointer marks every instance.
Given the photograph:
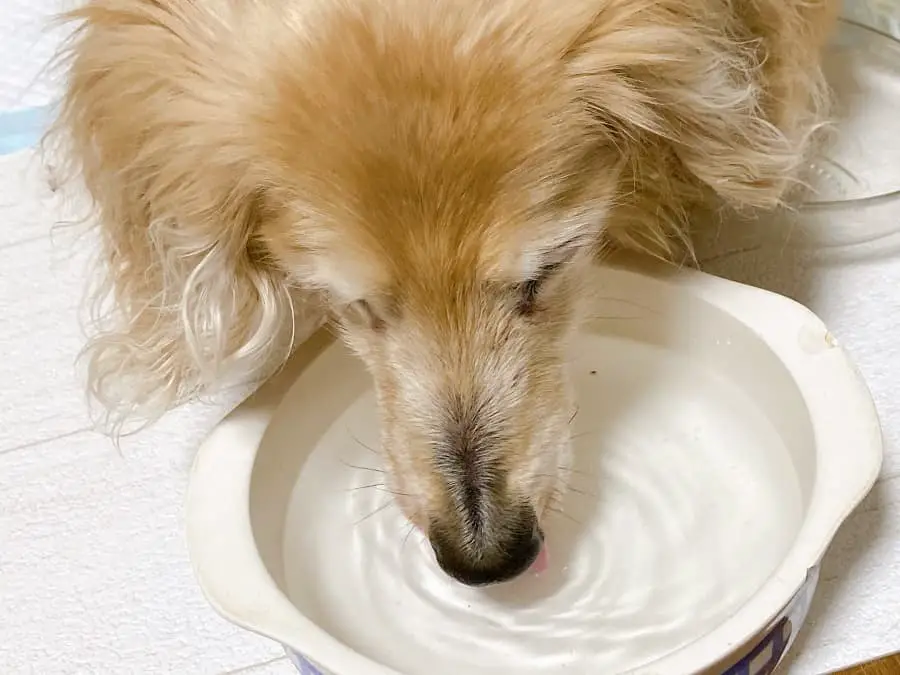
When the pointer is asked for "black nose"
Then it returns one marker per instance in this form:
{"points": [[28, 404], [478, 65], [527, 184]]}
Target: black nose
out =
{"points": [[475, 565]]}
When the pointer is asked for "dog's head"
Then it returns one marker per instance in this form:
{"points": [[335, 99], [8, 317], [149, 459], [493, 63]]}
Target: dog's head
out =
{"points": [[441, 171], [464, 331], [449, 207]]}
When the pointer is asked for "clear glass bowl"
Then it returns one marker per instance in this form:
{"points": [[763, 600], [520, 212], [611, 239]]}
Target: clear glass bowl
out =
{"points": [[854, 181], [851, 201]]}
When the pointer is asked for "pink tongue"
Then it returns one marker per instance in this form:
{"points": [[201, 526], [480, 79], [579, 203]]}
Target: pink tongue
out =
{"points": [[540, 564]]}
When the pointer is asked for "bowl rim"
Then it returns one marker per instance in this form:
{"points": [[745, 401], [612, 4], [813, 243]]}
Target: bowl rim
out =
{"points": [[848, 447]]}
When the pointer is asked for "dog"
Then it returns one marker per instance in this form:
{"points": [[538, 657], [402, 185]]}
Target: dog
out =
{"points": [[441, 174]]}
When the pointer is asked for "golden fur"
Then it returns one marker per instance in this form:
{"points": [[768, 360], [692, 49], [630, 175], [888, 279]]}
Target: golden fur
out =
{"points": [[443, 172]]}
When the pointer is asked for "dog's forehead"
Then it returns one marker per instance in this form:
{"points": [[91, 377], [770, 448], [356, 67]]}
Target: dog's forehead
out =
{"points": [[357, 263]]}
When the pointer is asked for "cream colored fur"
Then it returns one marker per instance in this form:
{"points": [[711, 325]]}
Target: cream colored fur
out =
{"points": [[443, 172]]}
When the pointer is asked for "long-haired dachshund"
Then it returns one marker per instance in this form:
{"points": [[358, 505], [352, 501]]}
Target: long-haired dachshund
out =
{"points": [[441, 173]]}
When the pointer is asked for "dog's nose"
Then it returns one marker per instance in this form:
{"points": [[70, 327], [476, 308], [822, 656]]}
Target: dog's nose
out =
{"points": [[481, 561]]}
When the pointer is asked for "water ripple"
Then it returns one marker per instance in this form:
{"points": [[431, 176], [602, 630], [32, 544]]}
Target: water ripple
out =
{"points": [[680, 507]]}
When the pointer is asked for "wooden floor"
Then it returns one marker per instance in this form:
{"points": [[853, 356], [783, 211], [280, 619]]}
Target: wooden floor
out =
{"points": [[889, 665]]}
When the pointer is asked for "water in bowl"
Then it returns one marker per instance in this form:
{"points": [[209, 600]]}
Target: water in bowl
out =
{"points": [[683, 500]]}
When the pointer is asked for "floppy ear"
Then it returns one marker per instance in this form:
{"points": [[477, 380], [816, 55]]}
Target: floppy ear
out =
{"points": [[186, 293], [696, 103]]}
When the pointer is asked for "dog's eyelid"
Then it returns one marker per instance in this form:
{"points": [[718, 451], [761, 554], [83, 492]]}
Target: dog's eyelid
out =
{"points": [[365, 310], [556, 258], [529, 290], [548, 270]]}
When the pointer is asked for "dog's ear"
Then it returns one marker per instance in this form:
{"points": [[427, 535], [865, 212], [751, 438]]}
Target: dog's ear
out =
{"points": [[686, 83], [187, 295]]}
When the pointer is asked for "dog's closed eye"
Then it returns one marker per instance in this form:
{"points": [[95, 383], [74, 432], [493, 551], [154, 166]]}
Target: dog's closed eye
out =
{"points": [[529, 291], [363, 312]]}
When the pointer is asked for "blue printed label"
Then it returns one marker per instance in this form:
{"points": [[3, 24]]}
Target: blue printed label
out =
{"points": [[766, 656], [303, 666]]}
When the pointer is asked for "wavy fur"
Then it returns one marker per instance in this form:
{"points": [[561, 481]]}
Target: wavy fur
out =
{"points": [[441, 172]]}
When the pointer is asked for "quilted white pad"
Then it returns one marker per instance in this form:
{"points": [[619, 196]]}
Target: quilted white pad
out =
{"points": [[27, 44]]}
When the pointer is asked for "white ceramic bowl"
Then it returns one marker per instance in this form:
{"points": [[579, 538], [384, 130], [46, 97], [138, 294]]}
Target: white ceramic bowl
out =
{"points": [[724, 436]]}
